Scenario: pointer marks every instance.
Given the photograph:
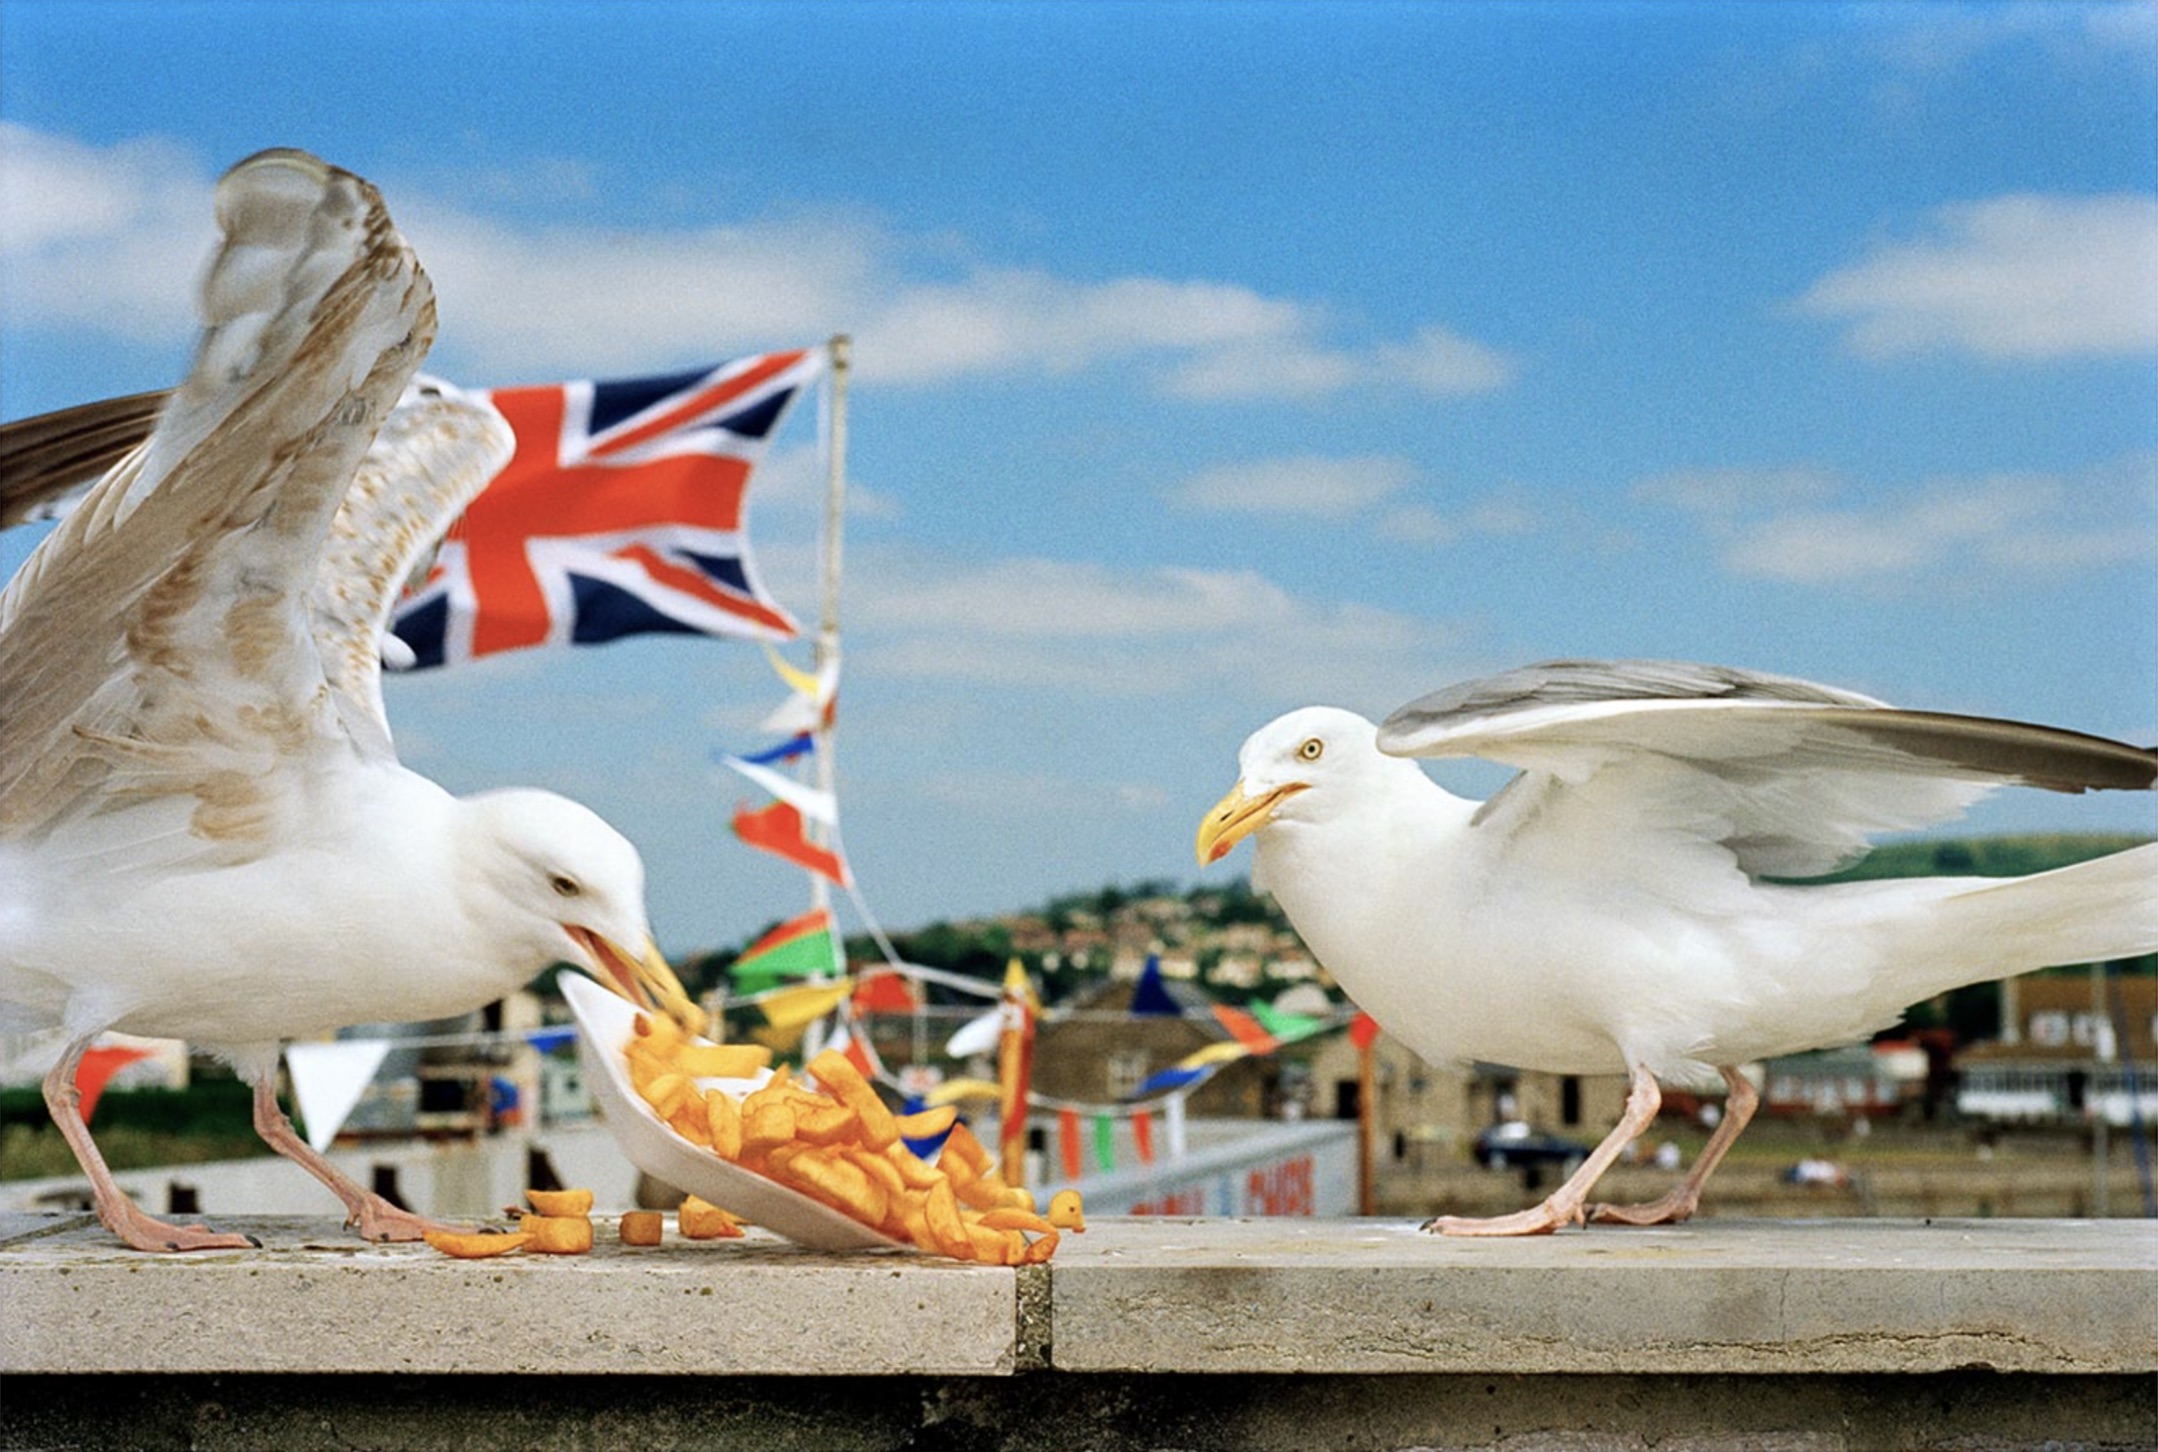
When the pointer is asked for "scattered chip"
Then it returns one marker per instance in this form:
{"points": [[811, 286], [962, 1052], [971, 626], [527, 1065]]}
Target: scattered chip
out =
{"points": [[640, 1227], [699, 1220], [558, 1234], [1067, 1212], [477, 1246], [561, 1202]]}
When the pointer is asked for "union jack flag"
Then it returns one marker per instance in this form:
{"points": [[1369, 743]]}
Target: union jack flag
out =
{"points": [[620, 512]]}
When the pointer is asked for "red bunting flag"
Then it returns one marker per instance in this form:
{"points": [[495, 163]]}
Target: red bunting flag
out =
{"points": [[1142, 1134], [96, 1069], [1363, 1029], [1068, 1142], [777, 829], [883, 991]]}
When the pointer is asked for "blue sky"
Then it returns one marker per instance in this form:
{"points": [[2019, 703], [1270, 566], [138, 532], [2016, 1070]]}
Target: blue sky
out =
{"points": [[1212, 360]]}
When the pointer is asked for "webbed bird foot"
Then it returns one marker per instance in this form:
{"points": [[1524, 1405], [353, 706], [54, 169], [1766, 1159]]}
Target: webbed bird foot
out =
{"points": [[1671, 1209], [141, 1230], [1537, 1220]]}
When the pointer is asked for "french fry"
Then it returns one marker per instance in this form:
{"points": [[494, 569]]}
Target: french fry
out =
{"points": [[666, 1093], [479, 1246], [701, 1220], [996, 1247], [823, 1122], [980, 1194], [723, 1124], [928, 1123], [838, 1182], [767, 1125], [558, 1234], [879, 1168], [561, 1202], [918, 1173], [661, 1032], [639, 1227], [723, 1061], [837, 1073], [945, 1226]]}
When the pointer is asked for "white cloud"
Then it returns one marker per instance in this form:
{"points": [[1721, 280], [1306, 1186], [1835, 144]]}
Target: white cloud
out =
{"points": [[2011, 279], [111, 238], [1965, 531], [1156, 633], [1296, 363], [1305, 484]]}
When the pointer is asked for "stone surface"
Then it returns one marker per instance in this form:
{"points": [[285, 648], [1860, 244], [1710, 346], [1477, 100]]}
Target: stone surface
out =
{"points": [[1260, 1297], [316, 1299], [1723, 1296]]}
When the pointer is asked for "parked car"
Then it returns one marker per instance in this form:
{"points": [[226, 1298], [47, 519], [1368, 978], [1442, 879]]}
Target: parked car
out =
{"points": [[1514, 1145]]}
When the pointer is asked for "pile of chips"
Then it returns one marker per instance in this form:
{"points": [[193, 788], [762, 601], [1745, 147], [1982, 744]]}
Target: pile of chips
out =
{"points": [[829, 1136]]}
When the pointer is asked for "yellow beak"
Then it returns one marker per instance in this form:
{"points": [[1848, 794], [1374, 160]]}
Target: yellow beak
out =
{"points": [[1235, 817], [644, 979]]}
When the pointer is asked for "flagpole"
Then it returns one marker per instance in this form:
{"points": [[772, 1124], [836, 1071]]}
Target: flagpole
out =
{"points": [[827, 649]]}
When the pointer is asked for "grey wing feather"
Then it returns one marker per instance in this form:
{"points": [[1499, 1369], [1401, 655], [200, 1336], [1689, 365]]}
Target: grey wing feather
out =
{"points": [[438, 450], [1790, 776], [47, 463], [158, 642]]}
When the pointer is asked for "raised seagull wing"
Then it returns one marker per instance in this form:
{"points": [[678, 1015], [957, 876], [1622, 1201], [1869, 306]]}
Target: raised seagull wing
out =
{"points": [[1790, 777], [48, 461], [439, 448], [160, 642]]}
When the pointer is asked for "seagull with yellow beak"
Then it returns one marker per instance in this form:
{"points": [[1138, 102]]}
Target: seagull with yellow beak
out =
{"points": [[205, 832], [1627, 903]]}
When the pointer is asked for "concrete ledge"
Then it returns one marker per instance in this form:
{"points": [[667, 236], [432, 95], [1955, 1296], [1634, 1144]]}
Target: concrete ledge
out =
{"points": [[314, 1299], [1792, 1336], [1139, 1295], [1743, 1297]]}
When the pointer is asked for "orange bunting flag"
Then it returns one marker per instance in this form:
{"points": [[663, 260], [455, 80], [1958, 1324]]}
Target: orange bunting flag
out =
{"points": [[1142, 1134], [1245, 1029], [777, 829], [1068, 1142]]}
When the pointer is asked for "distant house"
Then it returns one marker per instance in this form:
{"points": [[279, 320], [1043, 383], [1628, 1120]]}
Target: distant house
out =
{"points": [[1857, 1081], [2061, 1058], [1094, 1051], [1425, 1115]]}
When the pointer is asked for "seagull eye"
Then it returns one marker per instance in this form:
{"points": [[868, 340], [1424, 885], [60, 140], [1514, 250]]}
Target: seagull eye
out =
{"points": [[565, 886], [1312, 750]]}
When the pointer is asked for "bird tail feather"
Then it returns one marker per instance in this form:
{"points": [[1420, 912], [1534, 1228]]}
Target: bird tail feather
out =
{"points": [[2088, 912]]}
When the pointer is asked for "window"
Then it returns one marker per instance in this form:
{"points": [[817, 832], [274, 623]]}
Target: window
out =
{"points": [[1126, 1069]]}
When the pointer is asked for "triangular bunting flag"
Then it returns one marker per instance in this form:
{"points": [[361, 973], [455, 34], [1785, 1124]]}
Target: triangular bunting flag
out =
{"points": [[96, 1068], [814, 803], [976, 1036], [1246, 1029], [880, 990], [791, 1008], [328, 1080], [1286, 1027], [777, 829], [1150, 996]]}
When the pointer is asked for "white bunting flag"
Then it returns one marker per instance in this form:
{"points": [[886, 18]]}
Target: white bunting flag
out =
{"points": [[329, 1078]]}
